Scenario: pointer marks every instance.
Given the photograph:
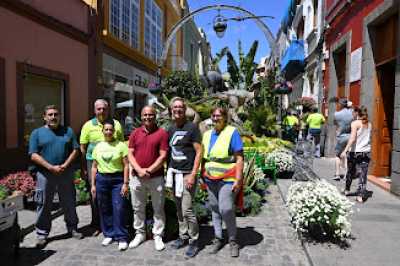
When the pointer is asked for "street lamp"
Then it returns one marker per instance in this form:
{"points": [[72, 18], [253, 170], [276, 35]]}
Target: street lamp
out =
{"points": [[220, 25]]}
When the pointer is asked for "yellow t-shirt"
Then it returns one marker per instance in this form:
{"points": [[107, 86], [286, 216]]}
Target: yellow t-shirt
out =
{"points": [[92, 133], [109, 155], [290, 120], [315, 120]]}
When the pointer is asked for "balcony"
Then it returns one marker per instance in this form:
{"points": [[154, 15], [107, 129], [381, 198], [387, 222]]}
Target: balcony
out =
{"points": [[293, 60]]}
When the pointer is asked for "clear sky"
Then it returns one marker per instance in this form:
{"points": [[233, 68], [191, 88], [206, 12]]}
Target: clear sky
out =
{"points": [[246, 31]]}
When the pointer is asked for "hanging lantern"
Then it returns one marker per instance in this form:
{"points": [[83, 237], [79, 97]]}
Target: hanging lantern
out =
{"points": [[219, 25]]}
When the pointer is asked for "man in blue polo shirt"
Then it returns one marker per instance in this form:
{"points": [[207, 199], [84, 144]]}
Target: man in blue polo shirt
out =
{"points": [[53, 148]]}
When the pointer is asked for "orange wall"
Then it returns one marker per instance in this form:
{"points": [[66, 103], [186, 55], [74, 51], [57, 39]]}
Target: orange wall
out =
{"points": [[25, 41]]}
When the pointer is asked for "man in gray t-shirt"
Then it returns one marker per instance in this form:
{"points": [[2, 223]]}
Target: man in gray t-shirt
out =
{"points": [[343, 119]]}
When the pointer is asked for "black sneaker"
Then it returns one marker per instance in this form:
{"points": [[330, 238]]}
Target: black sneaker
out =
{"points": [[234, 247], [217, 245], [179, 243], [75, 234], [192, 250], [41, 243]]}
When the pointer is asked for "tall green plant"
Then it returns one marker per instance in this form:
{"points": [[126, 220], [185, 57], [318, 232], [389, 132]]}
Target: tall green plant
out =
{"points": [[242, 74], [218, 57], [266, 95]]}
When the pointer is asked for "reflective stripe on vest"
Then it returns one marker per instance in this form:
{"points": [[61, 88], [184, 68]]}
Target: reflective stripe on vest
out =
{"points": [[218, 161]]}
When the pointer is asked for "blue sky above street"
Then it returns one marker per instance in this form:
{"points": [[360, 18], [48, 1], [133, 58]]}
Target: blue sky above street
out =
{"points": [[246, 31]]}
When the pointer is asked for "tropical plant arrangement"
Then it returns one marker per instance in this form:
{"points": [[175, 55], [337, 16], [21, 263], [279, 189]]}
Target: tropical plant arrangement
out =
{"points": [[19, 181], [319, 210]]}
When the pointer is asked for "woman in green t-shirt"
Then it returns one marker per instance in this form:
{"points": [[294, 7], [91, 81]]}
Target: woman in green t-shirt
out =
{"points": [[110, 173]]}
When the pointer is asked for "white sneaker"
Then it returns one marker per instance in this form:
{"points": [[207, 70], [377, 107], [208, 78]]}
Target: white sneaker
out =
{"points": [[122, 245], [139, 238], [107, 241], [158, 243]]}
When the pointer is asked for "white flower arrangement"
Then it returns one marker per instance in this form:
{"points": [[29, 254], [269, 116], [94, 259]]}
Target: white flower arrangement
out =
{"points": [[283, 160], [317, 207]]}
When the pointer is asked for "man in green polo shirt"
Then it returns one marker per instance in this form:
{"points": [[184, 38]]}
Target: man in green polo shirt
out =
{"points": [[315, 121], [91, 134]]}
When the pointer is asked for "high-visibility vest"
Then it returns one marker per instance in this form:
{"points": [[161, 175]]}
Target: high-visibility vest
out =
{"points": [[219, 164]]}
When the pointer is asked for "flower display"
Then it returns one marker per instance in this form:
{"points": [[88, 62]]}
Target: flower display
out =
{"points": [[283, 160], [318, 209], [19, 181]]}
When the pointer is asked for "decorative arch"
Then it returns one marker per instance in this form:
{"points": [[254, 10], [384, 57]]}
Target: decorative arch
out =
{"points": [[267, 32]]}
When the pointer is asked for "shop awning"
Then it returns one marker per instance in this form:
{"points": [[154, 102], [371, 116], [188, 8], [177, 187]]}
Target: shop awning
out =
{"points": [[293, 60], [125, 104]]}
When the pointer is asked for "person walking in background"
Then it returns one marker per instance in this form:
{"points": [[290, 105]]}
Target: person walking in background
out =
{"points": [[291, 126], [222, 170], [53, 148], [184, 161], [148, 147], [342, 120], [110, 172], [91, 134], [358, 148], [315, 120]]}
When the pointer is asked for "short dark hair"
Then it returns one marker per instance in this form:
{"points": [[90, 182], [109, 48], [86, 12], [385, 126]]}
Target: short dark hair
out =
{"points": [[109, 121], [49, 107]]}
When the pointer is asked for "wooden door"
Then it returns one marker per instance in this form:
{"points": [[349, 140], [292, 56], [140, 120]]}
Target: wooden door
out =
{"points": [[385, 60], [383, 120]]}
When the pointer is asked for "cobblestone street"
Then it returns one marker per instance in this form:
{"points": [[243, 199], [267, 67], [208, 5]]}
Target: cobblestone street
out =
{"points": [[267, 239]]}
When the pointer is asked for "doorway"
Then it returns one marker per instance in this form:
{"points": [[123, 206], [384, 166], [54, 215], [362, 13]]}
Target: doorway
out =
{"points": [[383, 112], [340, 67]]}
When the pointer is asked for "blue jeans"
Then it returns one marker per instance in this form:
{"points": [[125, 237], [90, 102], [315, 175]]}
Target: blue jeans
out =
{"points": [[112, 206], [47, 184]]}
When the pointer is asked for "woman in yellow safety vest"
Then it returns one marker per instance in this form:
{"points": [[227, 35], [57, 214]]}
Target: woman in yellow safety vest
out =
{"points": [[222, 171]]}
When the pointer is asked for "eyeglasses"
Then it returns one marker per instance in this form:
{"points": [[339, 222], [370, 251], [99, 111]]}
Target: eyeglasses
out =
{"points": [[148, 115]]}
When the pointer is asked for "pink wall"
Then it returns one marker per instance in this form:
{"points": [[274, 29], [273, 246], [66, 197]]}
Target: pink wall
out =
{"points": [[72, 12], [25, 41]]}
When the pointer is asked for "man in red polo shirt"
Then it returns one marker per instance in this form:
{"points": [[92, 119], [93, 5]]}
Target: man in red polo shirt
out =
{"points": [[148, 147]]}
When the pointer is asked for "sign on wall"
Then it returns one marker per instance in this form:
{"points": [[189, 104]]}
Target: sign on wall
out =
{"points": [[355, 65]]}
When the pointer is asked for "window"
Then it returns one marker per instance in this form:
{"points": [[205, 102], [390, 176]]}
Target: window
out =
{"points": [[124, 22], [34, 88], [153, 30]]}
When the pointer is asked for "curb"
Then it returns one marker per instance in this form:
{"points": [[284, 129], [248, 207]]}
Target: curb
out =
{"points": [[303, 245]]}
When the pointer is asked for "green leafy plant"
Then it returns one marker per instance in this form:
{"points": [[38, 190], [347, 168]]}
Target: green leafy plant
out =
{"points": [[182, 84], [81, 187], [4, 193], [241, 76], [263, 120]]}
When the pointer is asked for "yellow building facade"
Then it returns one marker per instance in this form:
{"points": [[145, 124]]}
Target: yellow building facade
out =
{"points": [[132, 36]]}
